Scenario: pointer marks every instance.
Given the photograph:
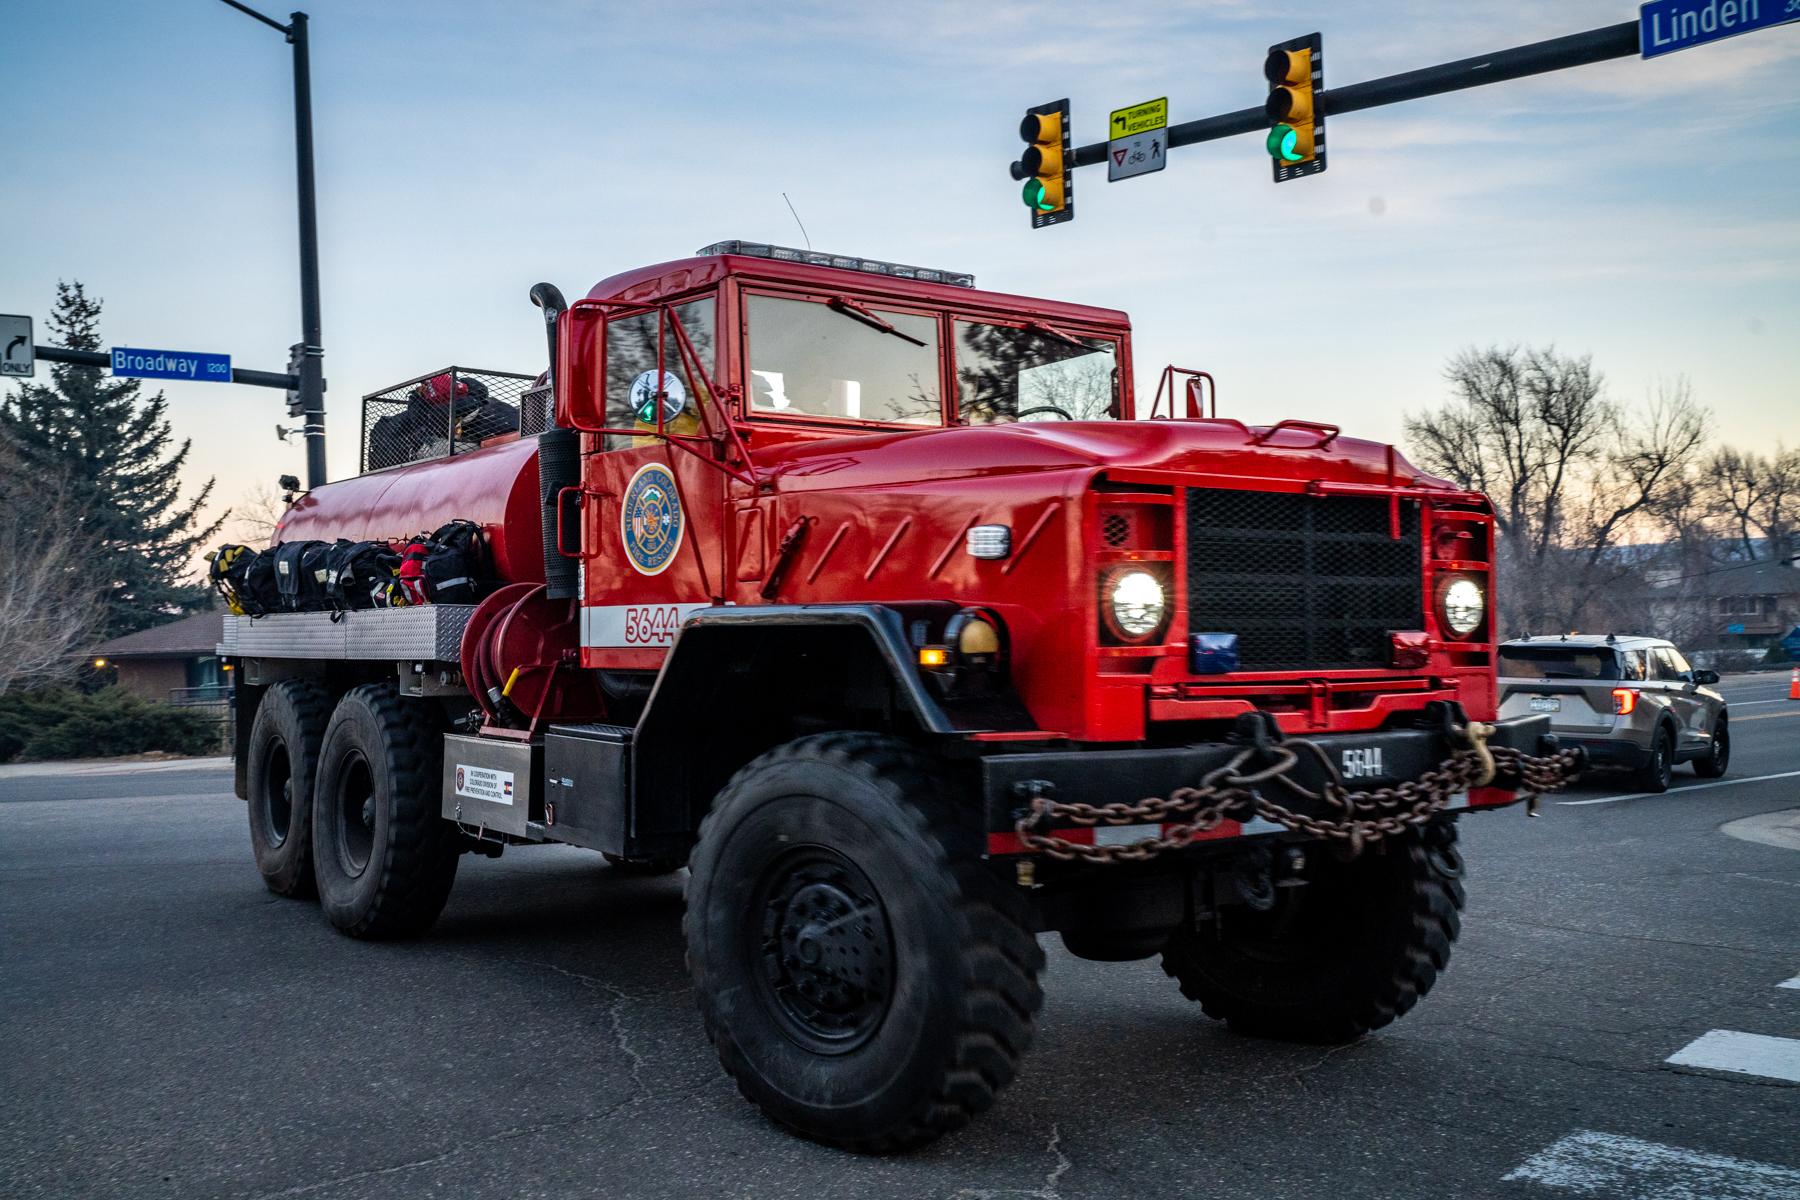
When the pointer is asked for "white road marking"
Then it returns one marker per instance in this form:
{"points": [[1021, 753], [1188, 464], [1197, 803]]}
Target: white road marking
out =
{"points": [[1682, 791], [1609, 1164], [1792, 983], [1748, 703], [1742, 1054]]}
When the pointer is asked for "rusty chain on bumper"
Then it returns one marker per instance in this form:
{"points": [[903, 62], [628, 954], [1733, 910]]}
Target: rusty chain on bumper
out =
{"points": [[1231, 792]]}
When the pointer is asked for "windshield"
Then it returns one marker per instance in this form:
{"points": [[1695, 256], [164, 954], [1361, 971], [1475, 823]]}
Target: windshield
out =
{"points": [[1033, 372], [810, 358]]}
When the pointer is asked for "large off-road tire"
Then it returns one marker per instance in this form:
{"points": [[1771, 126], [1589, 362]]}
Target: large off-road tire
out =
{"points": [[1659, 772], [1353, 949], [1717, 758], [866, 981], [384, 857], [283, 758]]}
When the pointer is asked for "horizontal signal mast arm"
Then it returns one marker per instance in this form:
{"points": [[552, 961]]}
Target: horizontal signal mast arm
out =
{"points": [[94, 358], [1538, 58]]}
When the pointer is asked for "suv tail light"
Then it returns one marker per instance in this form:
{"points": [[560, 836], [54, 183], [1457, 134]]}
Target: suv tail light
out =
{"points": [[1624, 701]]}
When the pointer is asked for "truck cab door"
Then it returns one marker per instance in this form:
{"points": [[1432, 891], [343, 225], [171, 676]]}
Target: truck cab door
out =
{"points": [[653, 534]]}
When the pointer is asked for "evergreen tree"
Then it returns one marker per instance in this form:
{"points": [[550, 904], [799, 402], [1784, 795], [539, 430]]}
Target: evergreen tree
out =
{"points": [[109, 452]]}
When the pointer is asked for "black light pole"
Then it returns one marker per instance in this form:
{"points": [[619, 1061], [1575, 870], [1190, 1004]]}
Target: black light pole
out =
{"points": [[307, 361]]}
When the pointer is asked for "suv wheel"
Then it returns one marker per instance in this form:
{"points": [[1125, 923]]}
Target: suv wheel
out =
{"points": [[1657, 773], [1712, 764]]}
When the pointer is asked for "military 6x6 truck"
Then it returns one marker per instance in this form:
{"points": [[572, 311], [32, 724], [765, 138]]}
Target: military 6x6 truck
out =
{"points": [[881, 604]]}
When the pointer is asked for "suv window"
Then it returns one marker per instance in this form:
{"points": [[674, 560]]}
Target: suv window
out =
{"points": [[1033, 373], [1669, 665], [1632, 666], [1558, 662], [835, 359]]}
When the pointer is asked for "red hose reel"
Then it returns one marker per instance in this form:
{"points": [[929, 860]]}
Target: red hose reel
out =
{"points": [[521, 658]]}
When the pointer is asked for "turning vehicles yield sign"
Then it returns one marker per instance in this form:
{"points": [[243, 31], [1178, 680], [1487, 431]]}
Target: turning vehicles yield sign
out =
{"points": [[1139, 140]]}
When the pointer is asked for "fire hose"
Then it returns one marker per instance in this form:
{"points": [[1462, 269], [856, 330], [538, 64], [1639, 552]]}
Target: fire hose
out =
{"points": [[1236, 791]]}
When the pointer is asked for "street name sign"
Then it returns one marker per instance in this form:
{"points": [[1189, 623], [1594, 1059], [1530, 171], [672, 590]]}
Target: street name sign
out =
{"points": [[1665, 26], [16, 353], [193, 366], [1139, 140]]}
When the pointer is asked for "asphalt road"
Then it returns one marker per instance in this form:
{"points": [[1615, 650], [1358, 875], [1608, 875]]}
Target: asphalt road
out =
{"points": [[169, 1028]]}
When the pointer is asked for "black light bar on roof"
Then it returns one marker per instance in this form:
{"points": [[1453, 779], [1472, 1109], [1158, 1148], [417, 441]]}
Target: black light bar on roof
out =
{"points": [[845, 262]]}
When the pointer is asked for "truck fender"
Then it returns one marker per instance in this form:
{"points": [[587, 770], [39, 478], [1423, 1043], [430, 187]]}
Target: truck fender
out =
{"points": [[742, 680]]}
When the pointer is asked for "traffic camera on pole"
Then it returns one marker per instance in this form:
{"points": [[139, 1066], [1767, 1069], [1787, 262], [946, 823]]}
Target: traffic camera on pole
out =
{"points": [[1048, 165], [1296, 74]]}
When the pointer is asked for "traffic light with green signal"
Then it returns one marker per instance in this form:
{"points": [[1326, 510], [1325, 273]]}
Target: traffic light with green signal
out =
{"points": [[1048, 165], [1296, 74]]}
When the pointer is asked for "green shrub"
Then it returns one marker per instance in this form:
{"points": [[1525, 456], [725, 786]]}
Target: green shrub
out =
{"points": [[59, 723]]}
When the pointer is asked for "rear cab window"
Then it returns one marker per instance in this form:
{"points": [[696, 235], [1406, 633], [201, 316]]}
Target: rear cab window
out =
{"points": [[1564, 662]]}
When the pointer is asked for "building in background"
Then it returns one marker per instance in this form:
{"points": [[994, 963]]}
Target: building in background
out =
{"points": [[175, 663]]}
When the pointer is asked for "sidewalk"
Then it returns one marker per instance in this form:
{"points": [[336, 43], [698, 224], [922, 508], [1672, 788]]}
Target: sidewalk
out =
{"points": [[113, 766]]}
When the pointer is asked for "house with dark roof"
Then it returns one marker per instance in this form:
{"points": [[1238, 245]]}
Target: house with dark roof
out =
{"points": [[175, 663]]}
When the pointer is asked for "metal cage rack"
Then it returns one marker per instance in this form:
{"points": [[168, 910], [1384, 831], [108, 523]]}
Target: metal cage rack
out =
{"points": [[447, 412]]}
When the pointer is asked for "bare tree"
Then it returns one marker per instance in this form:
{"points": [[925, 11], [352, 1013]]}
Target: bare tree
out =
{"points": [[257, 514], [47, 615], [1571, 474], [1756, 497]]}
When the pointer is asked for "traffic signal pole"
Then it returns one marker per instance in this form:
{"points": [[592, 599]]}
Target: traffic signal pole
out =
{"points": [[307, 363], [1538, 58]]}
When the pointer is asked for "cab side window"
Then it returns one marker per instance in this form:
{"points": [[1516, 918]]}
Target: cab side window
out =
{"points": [[634, 385]]}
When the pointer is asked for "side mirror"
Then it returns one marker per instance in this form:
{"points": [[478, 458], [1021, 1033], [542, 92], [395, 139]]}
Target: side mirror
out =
{"points": [[581, 368], [1706, 678]]}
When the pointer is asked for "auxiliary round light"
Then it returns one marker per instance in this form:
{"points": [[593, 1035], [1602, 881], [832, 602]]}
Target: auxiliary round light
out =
{"points": [[1137, 603], [1463, 605]]}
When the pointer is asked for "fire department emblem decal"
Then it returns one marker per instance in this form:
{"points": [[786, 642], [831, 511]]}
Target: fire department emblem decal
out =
{"points": [[651, 520]]}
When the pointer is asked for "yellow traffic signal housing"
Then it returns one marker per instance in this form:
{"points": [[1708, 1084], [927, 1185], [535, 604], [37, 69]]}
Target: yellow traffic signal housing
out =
{"points": [[1296, 74], [1048, 165]]}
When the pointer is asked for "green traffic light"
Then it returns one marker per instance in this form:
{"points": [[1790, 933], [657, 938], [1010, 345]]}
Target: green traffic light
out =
{"points": [[1283, 143], [1034, 197]]}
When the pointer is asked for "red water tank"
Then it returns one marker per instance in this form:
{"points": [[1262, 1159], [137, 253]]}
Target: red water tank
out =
{"points": [[496, 487]]}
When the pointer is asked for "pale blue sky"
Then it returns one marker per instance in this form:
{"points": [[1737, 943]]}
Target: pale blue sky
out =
{"points": [[1646, 212]]}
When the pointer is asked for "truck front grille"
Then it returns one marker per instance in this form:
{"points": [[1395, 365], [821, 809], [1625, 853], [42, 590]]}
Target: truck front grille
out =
{"points": [[1304, 581]]}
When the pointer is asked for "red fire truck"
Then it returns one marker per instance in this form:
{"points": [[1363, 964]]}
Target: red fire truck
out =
{"points": [[881, 604]]}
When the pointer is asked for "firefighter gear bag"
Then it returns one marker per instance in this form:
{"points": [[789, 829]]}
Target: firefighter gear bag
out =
{"points": [[227, 569], [410, 577], [455, 564], [261, 596], [359, 575], [300, 575]]}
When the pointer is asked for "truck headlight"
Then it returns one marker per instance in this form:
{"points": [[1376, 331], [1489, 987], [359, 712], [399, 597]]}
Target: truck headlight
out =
{"points": [[1463, 604], [1135, 604]]}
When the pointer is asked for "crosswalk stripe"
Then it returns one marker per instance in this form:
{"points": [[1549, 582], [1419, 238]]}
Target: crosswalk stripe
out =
{"points": [[1742, 1054], [1608, 1164]]}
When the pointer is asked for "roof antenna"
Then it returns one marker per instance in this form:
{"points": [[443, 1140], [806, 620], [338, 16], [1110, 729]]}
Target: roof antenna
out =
{"points": [[797, 221]]}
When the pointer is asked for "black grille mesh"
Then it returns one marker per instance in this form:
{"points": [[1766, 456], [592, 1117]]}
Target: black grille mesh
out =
{"points": [[1304, 581], [444, 413]]}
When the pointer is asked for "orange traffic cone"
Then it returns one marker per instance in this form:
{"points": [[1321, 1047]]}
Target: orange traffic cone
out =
{"points": [[1794, 685]]}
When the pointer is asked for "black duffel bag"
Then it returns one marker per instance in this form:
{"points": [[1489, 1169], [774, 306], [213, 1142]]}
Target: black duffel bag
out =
{"points": [[456, 564], [300, 575], [359, 574]]}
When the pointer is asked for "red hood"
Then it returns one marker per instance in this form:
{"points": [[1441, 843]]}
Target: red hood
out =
{"points": [[1183, 447]]}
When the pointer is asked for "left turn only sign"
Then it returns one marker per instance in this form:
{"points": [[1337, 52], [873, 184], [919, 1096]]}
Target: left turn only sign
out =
{"points": [[17, 359]]}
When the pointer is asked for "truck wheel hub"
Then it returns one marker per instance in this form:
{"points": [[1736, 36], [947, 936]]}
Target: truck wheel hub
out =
{"points": [[828, 954]]}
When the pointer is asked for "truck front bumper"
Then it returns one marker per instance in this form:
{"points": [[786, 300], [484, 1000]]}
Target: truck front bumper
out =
{"points": [[1100, 776]]}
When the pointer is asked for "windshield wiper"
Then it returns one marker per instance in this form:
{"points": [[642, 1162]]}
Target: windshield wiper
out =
{"points": [[856, 312], [1051, 331]]}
